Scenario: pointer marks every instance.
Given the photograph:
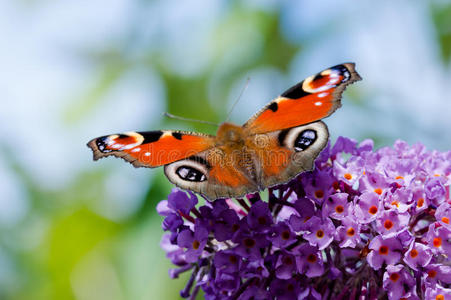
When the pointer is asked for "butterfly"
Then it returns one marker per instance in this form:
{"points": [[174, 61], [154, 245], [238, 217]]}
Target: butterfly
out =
{"points": [[279, 142]]}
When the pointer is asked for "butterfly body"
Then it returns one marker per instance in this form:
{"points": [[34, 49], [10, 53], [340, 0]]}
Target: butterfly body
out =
{"points": [[279, 142]]}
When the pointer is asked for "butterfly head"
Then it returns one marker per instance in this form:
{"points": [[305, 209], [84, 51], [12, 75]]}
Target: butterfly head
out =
{"points": [[229, 133]]}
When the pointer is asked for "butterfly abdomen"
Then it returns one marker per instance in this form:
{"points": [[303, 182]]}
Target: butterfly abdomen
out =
{"points": [[247, 165]]}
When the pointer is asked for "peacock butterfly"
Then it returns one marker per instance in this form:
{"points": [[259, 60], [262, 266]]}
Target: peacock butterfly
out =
{"points": [[276, 144]]}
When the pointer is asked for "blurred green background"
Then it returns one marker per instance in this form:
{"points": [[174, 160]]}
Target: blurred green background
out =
{"points": [[73, 70]]}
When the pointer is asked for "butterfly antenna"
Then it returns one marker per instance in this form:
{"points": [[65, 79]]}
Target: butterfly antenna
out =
{"points": [[238, 99], [166, 114]]}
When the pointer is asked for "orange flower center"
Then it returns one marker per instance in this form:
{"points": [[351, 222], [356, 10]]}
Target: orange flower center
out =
{"points": [[395, 203], [311, 258], [445, 220], [350, 231], [372, 210], [233, 259], [287, 260], [432, 273], [378, 191], [388, 224], [414, 253], [320, 234], [399, 177], [319, 194], [261, 220], [339, 209], [439, 297], [196, 244], [420, 202], [437, 242], [347, 176], [383, 250], [394, 277], [285, 235], [249, 243]]}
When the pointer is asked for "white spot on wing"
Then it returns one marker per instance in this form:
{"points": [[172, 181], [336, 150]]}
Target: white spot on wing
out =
{"points": [[324, 94], [130, 146], [166, 133], [306, 85], [333, 80], [136, 149], [334, 77], [110, 139], [319, 103], [147, 154], [138, 140], [346, 74]]}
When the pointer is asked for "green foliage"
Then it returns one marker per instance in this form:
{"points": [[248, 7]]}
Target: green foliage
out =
{"points": [[441, 14]]}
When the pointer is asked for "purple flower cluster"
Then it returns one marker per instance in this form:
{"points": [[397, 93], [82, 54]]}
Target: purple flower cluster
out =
{"points": [[364, 223]]}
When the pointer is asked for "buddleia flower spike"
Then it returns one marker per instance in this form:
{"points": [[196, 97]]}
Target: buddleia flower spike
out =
{"points": [[364, 223]]}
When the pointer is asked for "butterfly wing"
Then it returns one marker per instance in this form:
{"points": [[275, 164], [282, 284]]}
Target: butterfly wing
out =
{"points": [[314, 98], [191, 160], [283, 154], [152, 148], [219, 172]]}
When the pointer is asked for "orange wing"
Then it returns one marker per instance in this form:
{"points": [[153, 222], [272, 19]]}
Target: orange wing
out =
{"points": [[219, 172], [151, 149], [313, 99]]}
